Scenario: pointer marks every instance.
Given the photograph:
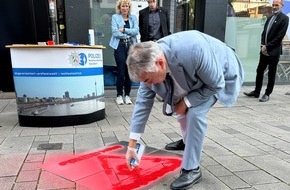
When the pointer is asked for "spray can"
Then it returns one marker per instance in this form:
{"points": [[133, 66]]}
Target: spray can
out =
{"points": [[140, 150]]}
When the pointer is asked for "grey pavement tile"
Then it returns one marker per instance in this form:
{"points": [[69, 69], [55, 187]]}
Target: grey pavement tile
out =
{"points": [[1, 140], [62, 138], [35, 158], [11, 164], [218, 170], [8, 119], [28, 176], [9, 106], [50, 181], [25, 185], [207, 161], [235, 163], [103, 122], [284, 155], [280, 145], [257, 177], [28, 166], [172, 135], [107, 134], [213, 149], [85, 142], [89, 125], [62, 130], [153, 135], [272, 186], [110, 140], [122, 135], [10, 133], [214, 132], [234, 182], [117, 120], [266, 148], [88, 130], [16, 145], [35, 144], [6, 182], [112, 128], [273, 165], [41, 138], [34, 132], [231, 131], [246, 139], [209, 182]]}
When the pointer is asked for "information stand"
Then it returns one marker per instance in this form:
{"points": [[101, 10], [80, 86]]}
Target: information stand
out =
{"points": [[58, 85]]}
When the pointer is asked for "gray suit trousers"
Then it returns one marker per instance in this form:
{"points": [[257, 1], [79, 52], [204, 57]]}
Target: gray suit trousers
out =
{"points": [[193, 126]]}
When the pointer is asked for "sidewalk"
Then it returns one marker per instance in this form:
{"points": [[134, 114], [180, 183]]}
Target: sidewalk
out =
{"points": [[247, 147]]}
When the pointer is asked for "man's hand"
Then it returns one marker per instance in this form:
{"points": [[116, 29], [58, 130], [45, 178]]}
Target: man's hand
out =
{"points": [[131, 153], [180, 107], [264, 50]]}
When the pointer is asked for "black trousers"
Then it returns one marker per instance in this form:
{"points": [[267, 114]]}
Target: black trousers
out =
{"points": [[271, 62]]}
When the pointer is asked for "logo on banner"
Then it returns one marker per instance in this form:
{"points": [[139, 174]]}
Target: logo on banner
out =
{"points": [[77, 59]]}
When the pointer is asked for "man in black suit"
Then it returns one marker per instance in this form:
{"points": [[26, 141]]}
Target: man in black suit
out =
{"points": [[271, 47], [153, 22]]}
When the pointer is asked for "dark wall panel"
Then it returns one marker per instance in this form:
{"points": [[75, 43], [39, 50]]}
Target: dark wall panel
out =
{"points": [[16, 28], [22, 22], [215, 18], [210, 17], [77, 14]]}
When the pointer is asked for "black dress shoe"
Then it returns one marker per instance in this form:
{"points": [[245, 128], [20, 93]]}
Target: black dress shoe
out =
{"points": [[186, 179], [177, 145], [253, 93], [264, 98]]}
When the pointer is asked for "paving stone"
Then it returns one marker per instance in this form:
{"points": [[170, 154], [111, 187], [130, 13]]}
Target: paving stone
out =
{"points": [[50, 181], [35, 157], [6, 182], [28, 166], [235, 163], [272, 186], [62, 138], [246, 147], [11, 164], [218, 170], [25, 185], [28, 176], [234, 182], [278, 168], [257, 177]]}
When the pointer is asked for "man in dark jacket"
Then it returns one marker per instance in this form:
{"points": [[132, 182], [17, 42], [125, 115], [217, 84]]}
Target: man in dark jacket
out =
{"points": [[271, 47], [153, 22]]}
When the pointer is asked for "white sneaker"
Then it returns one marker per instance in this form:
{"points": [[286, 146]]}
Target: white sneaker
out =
{"points": [[128, 100], [119, 100]]}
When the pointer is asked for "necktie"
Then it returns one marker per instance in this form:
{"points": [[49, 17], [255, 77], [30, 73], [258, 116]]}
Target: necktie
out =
{"points": [[269, 26], [169, 96]]}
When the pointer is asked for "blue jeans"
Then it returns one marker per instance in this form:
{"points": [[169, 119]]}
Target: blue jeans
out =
{"points": [[123, 79]]}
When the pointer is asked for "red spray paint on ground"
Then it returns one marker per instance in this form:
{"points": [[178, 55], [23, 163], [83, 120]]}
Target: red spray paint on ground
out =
{"points": [[106, 169]]}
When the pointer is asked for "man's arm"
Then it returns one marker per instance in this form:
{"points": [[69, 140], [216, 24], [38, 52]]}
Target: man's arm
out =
{"points": [[281, 31]]}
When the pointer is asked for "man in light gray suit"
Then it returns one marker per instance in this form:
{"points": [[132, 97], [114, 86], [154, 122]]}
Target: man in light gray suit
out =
{"points": [[190, 71]]}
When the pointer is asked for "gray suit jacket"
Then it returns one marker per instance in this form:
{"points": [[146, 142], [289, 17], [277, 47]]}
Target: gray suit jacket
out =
{"points": [[201, 65]]}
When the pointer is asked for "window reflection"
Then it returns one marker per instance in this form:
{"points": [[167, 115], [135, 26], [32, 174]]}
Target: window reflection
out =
{"points": [[245, 22]]}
